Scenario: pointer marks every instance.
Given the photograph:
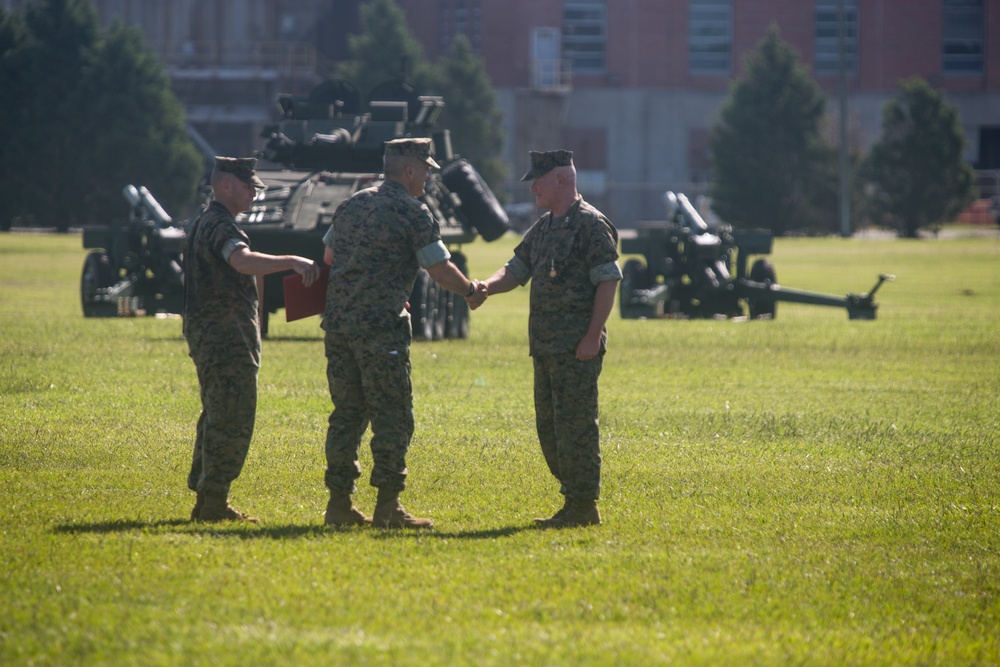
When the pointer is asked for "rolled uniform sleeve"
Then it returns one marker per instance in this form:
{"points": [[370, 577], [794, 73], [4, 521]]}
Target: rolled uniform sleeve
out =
{"points": [[606, 271], [230, 247], [432, 254], [520, 270]]}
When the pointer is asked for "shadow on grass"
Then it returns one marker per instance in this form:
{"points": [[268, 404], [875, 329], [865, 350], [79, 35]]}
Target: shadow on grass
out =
{"points": [[246, 531]]}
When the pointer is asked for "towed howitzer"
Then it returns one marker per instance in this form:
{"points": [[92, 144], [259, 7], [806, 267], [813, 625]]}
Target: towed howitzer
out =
{"points": [[687, 272], [135, 266]]}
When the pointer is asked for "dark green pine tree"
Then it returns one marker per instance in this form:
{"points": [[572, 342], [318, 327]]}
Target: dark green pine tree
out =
{"points": [[136, 128], [384, 51], [766, 150], [471, 111], [57, 42], [915, 174], [14, 114], [95, 113]]}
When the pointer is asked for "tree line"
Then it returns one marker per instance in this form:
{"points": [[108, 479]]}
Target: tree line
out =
{"points": [[773, 170], [88, 110]]}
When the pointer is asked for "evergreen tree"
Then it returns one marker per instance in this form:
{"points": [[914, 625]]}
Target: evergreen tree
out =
{"points": [[915, 174], [149, 145], [766, 150], [386, 45], [470, 111], [384, 51], [95, 113]]}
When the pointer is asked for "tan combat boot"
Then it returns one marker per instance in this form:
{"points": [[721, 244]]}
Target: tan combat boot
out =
{"points": [[217, 508], [389, 513], [341, 512], [543, 523], [578, 512]]}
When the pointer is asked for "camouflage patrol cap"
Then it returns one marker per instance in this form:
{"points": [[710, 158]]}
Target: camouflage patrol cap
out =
{"points": [[242, 167], [542, 162], [418, 147]]}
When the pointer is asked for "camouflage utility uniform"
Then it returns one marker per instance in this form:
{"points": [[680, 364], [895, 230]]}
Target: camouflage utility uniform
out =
{"points": [[223, 334], [565, 258], [380, 237]]}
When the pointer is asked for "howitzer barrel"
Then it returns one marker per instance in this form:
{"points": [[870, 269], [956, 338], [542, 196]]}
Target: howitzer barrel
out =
{"points": [[141, 197], [678, 204]]}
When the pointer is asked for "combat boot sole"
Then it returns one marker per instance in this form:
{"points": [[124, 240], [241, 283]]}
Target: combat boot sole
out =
{"points": [[393, 515]]}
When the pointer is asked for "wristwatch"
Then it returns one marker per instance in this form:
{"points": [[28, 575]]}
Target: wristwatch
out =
{"points": [[472, 288]]}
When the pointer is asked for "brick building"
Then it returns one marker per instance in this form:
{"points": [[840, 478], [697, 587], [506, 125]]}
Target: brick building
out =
{"points": [[632, 86]]}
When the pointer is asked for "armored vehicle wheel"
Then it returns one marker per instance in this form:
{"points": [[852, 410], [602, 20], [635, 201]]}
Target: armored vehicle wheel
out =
{"points": [[762, 271], [98, 273], [458, 318], [441, 312], [422, 300], [479, 205]]}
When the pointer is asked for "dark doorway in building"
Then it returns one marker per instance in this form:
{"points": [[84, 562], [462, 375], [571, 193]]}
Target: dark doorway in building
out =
{"points": [[989, 147]]}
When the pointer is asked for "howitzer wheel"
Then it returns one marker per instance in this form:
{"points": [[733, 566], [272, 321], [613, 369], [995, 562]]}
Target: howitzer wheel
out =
{"points": [[762, 271], [98, 273]]}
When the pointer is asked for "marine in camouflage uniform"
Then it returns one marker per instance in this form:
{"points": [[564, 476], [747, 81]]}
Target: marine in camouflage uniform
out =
{"points": [[222, 328], [571, 261], [378, 240]]}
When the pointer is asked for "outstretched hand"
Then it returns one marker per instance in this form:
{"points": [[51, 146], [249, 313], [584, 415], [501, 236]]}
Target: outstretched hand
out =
{"points": [[478, 297], [308, 269]]}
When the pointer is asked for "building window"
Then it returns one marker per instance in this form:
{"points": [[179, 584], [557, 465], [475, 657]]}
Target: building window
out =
{"points": [[710, 37], [460, 17], [827, 36], [962, 37], [584, 36]]}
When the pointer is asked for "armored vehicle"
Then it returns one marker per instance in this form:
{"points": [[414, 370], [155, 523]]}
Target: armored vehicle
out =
{"points": [[687, 272], [323, 148]]}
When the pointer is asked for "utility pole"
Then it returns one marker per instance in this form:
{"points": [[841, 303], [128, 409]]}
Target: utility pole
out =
{"points": [[844, 169]]}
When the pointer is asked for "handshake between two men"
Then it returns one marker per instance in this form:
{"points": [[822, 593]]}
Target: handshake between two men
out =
{"points": [[479, 293]]}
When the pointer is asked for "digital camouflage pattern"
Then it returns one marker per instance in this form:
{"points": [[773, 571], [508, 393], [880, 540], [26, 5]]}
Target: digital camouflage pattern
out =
{"points": [[376, 237], [418, 147], [220, 304], [369, 380], [243, 167], [225, 427], [566, 421], [544, 162], [565, 258], [223, 335]]}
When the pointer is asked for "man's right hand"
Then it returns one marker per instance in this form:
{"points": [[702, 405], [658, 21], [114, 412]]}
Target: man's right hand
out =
{"points": [[308, 269], [478, 297]]}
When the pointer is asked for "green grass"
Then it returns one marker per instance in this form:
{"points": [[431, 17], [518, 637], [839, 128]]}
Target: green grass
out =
{"points": [[809, 491]]}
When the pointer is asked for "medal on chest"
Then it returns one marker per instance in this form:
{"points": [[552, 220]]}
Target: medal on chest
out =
{"points": [[552, 268]]}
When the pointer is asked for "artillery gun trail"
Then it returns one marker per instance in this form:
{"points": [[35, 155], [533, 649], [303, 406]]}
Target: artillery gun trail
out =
{"points": [[686, 272]]}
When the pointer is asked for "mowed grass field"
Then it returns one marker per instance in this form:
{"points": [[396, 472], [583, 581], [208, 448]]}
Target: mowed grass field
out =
{"points": [[805, 491]]}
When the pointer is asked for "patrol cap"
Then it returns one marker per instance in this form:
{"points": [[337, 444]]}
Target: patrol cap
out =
{"points": [[242, 167], [418, 147], [542, 162]]}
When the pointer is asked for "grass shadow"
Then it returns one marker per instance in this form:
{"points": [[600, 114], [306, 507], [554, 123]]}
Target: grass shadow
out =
{"points": [[275, 532]]}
